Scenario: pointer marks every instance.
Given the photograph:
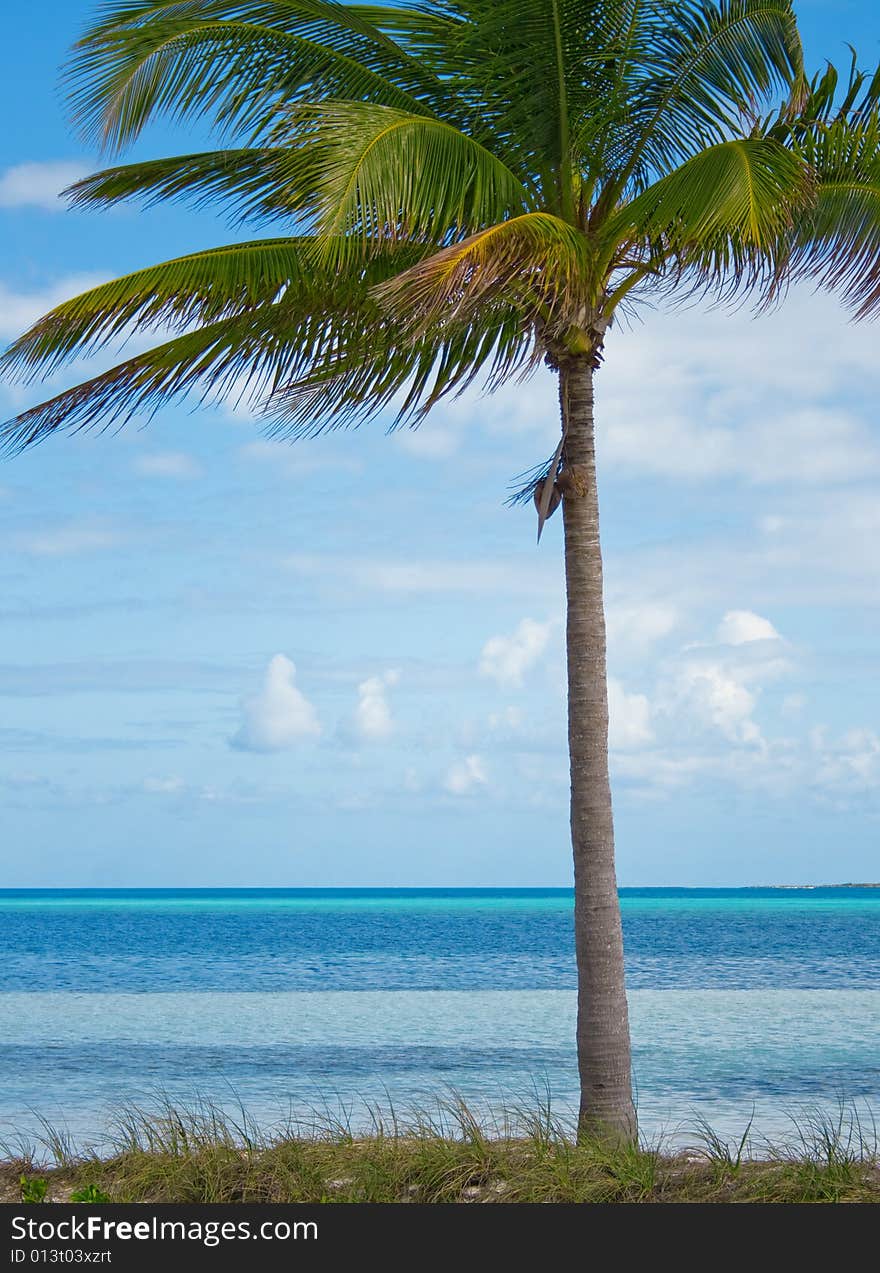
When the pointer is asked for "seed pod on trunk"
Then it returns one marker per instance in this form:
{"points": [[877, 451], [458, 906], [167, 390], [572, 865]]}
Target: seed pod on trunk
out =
{"points": [[547, 500], [571, 481], [555, 497]]}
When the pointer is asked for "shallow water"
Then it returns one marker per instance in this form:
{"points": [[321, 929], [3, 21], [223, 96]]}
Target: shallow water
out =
{"points": [[763, 1002]]}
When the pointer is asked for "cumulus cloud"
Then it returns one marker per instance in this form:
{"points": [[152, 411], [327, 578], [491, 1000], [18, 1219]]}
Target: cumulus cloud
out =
{"points": [[506, 659], [172, 464], [839, 771], [280, 715], [739, 627], [373, 721], [700, 718], [465, 776], [715, 696], [634, 626], [629, 718], [39, 185]]}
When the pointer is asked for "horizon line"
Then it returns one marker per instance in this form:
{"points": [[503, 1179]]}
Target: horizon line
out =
{"points": [[405, 888]]}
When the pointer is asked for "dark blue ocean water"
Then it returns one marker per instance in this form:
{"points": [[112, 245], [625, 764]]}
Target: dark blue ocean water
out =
{"points": [[742, 1001], [261, 940]]}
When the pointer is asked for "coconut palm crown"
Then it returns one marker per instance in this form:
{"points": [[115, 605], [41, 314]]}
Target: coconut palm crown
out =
{"points": [[461, 190]]}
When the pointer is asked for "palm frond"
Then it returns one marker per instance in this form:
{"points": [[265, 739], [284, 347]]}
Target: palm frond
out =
{"points": [[723, 215], [403, 375], [387, 175], [535, 262], [234, 61], [531, 72], [700, 70], [199, 288], [471, 182], [837, 240], [311, 372], [218, 355], [828, 99], [835, 130], [258, 183]]}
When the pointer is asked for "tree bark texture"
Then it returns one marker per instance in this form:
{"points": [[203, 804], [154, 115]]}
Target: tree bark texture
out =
{"points": [[603, 1041]]}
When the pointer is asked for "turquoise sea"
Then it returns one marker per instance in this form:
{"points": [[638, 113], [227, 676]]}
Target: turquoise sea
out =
{"points": [[748, 1003]]}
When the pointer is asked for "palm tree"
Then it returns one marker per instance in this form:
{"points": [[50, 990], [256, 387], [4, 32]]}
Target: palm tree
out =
{"points": [[465, 189]]}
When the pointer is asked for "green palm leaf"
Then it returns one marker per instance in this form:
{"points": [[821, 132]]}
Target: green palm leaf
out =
{"points": [[387, 175], [314, 368], [837, 240], [698, 70], [235, 62], [723, 214], [523, 164], [536, 262], [257, 183], [202, 287]]}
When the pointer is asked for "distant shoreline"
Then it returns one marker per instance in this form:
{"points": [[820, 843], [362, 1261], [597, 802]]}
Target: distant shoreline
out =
{"points": [[403, 891]]}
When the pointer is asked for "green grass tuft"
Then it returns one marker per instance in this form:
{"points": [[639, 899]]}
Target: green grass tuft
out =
{"points": [[203, 1154]]}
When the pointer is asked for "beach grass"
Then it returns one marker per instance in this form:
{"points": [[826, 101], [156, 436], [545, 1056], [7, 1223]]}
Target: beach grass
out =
{"points": [[207, 1155]]}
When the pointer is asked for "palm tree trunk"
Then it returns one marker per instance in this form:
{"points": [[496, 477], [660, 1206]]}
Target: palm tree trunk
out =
{"points": [[606, 1103]]}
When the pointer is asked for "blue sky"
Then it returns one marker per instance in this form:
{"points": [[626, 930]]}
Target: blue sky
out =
{"points": [[229, 662]]}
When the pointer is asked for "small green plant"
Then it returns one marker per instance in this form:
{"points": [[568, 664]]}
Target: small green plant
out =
{"points": [[446, 1153], [89, 1193], [33, 1188]]}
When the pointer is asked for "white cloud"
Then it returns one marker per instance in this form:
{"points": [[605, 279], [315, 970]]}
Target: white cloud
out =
{"points": [[373, 721], [849, 764], [715, 696], [464, 776], [675, 398], [66, 541], [657, 772], [637, 625], [629, 718], [506, 659], [833, 770], [38, 185], [434, 440], [173, 464], [707, 695], [280, 715], [739, 627], [807, 548], [18, 310], [812, 446]]}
